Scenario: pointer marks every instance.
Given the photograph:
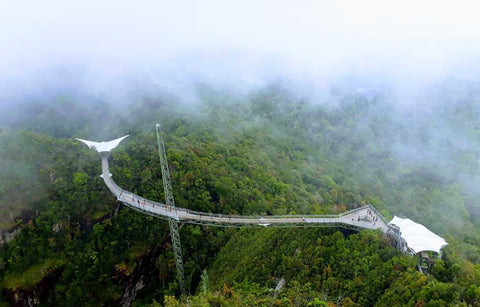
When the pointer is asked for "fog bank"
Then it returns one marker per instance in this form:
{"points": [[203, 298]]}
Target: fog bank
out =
{"points": [[113, 50]]}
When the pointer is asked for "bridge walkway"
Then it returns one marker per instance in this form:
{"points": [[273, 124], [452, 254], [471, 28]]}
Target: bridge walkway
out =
{"points": [[366, 217]]}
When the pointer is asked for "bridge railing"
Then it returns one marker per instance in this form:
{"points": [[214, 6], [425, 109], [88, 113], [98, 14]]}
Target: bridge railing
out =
{"points": [[254, 217], [119, 192], [378, 213], [142, 202]]}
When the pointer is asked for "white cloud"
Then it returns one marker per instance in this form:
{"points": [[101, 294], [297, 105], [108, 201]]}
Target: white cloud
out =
{"points": [[422, 40]]}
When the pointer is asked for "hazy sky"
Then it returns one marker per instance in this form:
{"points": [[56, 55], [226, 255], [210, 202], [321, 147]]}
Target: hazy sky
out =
{"points": [[112, 42]]}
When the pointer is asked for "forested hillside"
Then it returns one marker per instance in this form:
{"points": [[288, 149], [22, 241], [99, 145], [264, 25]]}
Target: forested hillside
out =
{"points": [[269, 152]]}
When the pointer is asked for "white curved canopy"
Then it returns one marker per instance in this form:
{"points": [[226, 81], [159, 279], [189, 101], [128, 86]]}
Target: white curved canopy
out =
{"points": [[103, 146], [417, 236]]}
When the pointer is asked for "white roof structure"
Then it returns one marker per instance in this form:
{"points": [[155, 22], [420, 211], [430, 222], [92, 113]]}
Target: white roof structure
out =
{"points": [[103, 146], [417, 236]]}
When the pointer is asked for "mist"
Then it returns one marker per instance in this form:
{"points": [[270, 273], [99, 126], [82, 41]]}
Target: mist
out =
{"points": [[112, 50], [421, 55]]}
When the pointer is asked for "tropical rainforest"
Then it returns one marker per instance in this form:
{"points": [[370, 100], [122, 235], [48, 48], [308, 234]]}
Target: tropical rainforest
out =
{"points": [[66, 241]]}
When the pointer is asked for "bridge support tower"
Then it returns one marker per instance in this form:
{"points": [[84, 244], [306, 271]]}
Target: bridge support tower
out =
{"points": [[169, 200]]}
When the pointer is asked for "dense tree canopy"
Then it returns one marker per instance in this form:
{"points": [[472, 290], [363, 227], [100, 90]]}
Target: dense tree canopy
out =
{"points": [[269, 153]]}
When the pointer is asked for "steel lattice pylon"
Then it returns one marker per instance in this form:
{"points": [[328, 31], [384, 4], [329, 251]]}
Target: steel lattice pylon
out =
{"points": [[174, 233]]}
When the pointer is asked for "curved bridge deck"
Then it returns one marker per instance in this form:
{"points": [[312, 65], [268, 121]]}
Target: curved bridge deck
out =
{"points": [[366, 217]]}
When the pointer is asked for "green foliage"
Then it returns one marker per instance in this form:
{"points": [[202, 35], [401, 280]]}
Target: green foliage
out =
{"points": [[26, 176], [269, 153], [29, 278], [359, 266]]}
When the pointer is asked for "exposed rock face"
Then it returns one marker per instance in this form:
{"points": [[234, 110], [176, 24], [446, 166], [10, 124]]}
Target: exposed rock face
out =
{"points": [[143, 273], [33, 297], [132, 281], [131, 292], [8, 235]]}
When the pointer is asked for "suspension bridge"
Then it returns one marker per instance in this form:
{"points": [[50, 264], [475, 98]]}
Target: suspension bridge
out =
{"points": [[366, 217]]}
